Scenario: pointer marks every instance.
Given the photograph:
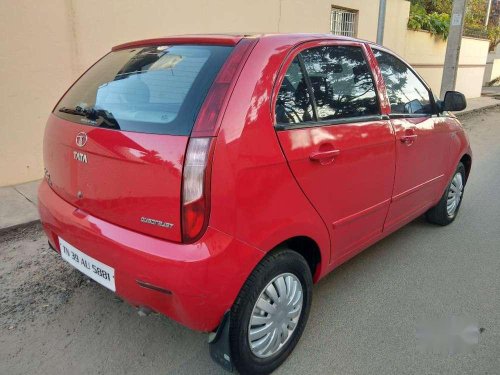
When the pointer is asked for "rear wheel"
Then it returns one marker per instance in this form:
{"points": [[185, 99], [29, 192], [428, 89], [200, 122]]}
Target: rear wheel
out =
{"points": [[447, 209], [270, 313]]}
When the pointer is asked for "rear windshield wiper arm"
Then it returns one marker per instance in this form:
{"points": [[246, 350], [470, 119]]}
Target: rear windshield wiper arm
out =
{"points": [[74, 111], [91, 113]]}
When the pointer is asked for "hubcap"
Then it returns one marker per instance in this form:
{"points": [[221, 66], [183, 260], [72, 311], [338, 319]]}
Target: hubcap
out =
{"points": [[454, 194], [275, 315]]}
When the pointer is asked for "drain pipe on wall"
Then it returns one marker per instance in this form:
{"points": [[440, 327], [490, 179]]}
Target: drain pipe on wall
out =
{"points": [[381, 21]]}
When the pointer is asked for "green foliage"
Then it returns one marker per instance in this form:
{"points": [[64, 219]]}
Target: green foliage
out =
{"points": [[438, 6], [431, 15], [493, 36], [476, 31], [436, 23], [476, 13]]}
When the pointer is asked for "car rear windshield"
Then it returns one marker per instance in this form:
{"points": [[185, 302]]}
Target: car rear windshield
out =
{"points": [[155, 89]]}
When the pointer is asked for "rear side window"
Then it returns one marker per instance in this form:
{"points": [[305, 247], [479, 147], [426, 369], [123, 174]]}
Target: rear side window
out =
{"points": [[155, 89], [293, 105], [342, 82], [407, 94]]}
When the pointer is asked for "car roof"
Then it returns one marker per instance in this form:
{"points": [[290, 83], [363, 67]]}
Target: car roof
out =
{"points": [[233, 39]]}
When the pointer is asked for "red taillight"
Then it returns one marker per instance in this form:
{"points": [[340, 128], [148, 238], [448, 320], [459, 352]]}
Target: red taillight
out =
{"points": [[208, 120], [196, 173], [195, 189]]}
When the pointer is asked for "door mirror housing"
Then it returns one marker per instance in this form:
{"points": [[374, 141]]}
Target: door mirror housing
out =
{"points": [[453, 101]]}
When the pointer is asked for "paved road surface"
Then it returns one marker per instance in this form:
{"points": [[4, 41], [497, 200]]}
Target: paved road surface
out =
{"points": [[363, 319]]}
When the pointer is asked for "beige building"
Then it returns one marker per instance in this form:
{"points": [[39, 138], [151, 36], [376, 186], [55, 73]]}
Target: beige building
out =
{"points": [[46, 45], [492, 66]]}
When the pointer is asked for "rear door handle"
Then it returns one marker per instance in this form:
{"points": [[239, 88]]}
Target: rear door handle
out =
{"points": [[322, 155], [408, 139]]}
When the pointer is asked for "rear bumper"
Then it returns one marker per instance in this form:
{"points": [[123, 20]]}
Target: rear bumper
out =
{"points": [[204, 278]]}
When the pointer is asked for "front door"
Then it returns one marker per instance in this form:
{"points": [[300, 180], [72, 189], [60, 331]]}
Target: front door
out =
{"points": [[339, 147], [422, 141]]}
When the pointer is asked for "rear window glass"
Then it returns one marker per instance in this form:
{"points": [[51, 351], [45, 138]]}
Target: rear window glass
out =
{"points": [[294, 104], [155, 89]]}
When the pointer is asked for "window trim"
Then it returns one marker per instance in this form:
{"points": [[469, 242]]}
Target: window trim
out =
{"points": [[294, 52], [434, 111], [310, 89], [340, 121]]}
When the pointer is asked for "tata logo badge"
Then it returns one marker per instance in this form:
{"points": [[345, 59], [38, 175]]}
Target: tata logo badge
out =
{"points": [[81, 139]]}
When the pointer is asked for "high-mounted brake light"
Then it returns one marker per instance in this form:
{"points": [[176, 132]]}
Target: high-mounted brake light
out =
{"points": [[195, 189], [209, 117]]}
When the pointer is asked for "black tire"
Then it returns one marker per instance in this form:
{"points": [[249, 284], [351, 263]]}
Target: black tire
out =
{"points": [[278, 262], [438, 214]]}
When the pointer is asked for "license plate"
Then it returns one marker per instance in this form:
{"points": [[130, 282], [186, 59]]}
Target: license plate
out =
{"points": [[100, 272]]}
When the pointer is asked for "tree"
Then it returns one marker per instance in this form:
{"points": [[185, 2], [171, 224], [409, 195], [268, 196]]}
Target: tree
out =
{"points": [[476, 13], [422, 19]]}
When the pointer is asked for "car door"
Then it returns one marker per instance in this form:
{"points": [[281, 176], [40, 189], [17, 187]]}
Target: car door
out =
{"points": [[339, 146], [422, 141]]}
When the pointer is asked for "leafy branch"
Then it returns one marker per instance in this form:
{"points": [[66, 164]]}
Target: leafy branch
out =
{"points": [[436, 23], [434, 16]]}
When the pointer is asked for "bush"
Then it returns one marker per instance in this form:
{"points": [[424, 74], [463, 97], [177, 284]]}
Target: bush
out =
{"points": [[436, 23], [434, 16], [493, 36]]}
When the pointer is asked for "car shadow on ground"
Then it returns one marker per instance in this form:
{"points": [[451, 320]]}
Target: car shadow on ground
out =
{"points": [[186, 352]]}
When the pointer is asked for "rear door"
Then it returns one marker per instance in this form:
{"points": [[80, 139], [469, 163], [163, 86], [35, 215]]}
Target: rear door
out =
{"points": [[339, 146], [422, 140], [114, 146]]}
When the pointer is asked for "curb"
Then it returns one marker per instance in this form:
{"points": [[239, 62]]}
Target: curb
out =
{"points": [[476, 110], [7, 230]]}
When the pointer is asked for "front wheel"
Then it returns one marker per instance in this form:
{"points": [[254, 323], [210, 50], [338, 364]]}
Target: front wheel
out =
{"points": [[270, 313], [447, 209]]}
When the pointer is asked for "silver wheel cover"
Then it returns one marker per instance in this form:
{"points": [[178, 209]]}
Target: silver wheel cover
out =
{"points": [[275, 315], [454, 194]]}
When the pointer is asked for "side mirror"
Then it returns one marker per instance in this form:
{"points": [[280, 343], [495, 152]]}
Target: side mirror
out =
{"points": [[453, 101]]}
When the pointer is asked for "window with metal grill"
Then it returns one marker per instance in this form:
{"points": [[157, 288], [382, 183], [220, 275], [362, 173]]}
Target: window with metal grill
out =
{"points": [[343, 21]]}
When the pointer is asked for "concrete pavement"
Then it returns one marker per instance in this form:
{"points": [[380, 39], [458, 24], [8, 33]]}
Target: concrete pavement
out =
{"points": [[491, 91], [479, 104], [18, 203]]}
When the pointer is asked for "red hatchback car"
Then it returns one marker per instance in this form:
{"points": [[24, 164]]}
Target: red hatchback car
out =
{"points": [[214, 179]]}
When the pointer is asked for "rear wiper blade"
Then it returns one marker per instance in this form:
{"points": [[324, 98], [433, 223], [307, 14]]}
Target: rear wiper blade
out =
{"points": [[108, 120], [74, 111], [89, 112]]}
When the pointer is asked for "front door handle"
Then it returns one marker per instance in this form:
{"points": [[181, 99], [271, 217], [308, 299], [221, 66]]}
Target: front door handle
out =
{"points": [[408, 139], [322, 155]]}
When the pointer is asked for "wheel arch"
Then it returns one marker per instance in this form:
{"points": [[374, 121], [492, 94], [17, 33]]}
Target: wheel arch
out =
{"points": [[308, 248], [466, 160]]}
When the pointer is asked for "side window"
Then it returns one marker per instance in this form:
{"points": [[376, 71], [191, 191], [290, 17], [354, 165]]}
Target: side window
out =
{"points": [[407, 94], [294, 104], [342, 82]]}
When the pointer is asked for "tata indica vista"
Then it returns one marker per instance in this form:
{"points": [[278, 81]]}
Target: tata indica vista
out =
{"points": [[214, 179]]}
